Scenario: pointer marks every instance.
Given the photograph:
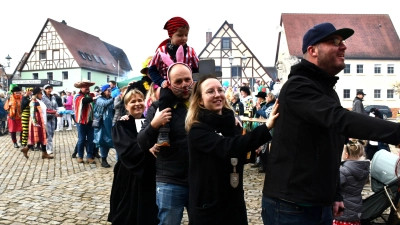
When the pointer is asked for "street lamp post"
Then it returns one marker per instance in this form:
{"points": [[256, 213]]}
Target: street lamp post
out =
{"points": [[8, 58]]}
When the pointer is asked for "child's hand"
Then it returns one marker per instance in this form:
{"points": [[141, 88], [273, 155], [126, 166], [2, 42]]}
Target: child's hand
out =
{"points": [[164, 84]]}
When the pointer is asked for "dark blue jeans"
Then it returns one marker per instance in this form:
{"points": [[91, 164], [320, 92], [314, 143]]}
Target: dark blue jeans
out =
{"points": [[278, 212], [171, 200], [85, 135]]}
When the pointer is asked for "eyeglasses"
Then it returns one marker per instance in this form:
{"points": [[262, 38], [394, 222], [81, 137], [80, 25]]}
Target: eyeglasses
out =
{"points": [[336, 41], [213, 92]]}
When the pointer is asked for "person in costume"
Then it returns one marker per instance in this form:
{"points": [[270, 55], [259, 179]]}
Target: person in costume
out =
{"points": [[68, 108], [26, 99], [217, 155], [37, 125], [13, 106], [104, 109], [178, 31], [133, 193], [143, 86], [83, 103]]}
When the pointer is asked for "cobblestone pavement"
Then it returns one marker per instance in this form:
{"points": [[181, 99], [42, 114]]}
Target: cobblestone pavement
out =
{"points": [[61, 191]]}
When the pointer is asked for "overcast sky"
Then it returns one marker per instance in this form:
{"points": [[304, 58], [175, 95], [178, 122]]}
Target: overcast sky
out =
{"points": [[137, 26]]}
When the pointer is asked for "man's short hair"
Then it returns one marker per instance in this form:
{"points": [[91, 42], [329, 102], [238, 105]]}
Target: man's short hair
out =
{"points": [[113, 82], [236, 96]]}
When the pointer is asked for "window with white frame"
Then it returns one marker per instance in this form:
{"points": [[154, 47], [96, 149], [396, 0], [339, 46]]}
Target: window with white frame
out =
{"points": [[346, 68], [42, 55], [360, 68], [35, 76], [65, 75], [226, 43], [50, 75], [89, 75], [108, 78], [390, 93], [377, 93], [377, 68], [390, 68], [346, 93]]}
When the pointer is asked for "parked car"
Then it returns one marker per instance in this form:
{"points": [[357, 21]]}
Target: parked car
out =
{"points": [[384, 109]]}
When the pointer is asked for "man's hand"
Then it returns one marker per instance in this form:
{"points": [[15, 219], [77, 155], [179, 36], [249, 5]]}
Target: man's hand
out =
{"points": [[125, 117], [337, 209], [161, 118], [154, 150], [273, 116]]}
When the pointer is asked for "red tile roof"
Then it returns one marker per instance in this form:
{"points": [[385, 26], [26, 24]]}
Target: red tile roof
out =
{"points": [[76, 40], [374, 34]]}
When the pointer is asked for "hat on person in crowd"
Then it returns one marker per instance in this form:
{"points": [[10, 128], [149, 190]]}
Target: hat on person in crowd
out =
{"points": [[173, 24], [16, 89], [105, 87], [321, 31], [206, 67], [261, 94], [47, 86], [36, 90], [83, 83], [96, 89], [361, 93], [29, 89], [245, 89], [144, 66]]}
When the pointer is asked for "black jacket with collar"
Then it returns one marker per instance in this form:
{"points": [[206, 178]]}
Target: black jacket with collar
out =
{"points": [[213, 141], [303, 164], [172, 163]]}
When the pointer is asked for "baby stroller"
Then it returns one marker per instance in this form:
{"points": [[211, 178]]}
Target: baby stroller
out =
{"points": [[385, 184]]}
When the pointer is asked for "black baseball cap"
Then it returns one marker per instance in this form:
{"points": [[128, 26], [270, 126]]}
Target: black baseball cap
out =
{"points": [[321, 31]]}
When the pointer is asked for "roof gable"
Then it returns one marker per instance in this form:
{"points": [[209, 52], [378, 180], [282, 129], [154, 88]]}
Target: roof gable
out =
{"points": [[253, 68], [75, 48], [374, 34]]}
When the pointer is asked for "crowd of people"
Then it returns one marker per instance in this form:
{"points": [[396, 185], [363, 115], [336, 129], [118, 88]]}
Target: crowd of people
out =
{"points": [[191, 152], [181, 143]]}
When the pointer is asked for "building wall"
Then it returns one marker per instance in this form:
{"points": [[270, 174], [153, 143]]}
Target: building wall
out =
{"points": [[74, 75], [369, 81]]}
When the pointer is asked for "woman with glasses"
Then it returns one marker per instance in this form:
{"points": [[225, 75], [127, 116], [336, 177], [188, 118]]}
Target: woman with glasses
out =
{"points": [[217, 153], [104, 111], [13, 106]]}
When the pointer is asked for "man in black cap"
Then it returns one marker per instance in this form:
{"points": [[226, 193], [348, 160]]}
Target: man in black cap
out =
{"points": [[302, 173], [358, 106]]}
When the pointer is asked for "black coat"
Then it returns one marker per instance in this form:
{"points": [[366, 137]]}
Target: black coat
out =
{"points": [[212, 144], [309, 134], [172, 162], [133, 194]]}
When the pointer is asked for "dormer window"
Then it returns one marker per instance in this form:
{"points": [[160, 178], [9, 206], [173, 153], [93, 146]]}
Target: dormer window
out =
{"points": [[102, 60], [95, 58], [88, 56], [82, 55]]}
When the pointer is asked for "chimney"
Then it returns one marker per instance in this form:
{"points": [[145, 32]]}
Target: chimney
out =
{"points": [[63, 22], [208, 36]]}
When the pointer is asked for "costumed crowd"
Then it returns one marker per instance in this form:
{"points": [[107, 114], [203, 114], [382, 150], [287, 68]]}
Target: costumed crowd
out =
{"points": [[183, 143]]}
